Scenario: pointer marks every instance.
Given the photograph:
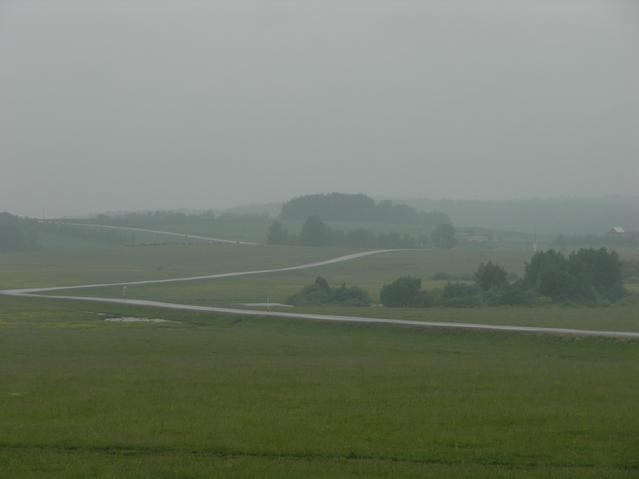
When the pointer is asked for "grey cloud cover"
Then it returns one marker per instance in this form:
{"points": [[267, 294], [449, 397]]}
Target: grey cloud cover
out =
{"points": [[157, 104]]}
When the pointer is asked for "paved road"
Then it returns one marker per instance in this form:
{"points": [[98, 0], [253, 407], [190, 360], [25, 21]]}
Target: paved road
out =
{"points": [[339, 259], [207, 239], [346, 319], [37, 292]]}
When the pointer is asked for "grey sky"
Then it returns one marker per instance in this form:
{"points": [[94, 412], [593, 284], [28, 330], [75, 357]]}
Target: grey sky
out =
{"points": [[136, 104]]}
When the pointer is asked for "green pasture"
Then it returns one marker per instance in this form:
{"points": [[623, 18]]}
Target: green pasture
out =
{"points": [[372, 273], [65, 267], [215, 396], [159, 262]]}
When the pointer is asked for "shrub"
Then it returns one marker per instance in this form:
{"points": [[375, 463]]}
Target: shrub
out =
{"points": [[513, 295], [320, 293], [351, 296], [470, 301], [402, 293], [490, 275]]}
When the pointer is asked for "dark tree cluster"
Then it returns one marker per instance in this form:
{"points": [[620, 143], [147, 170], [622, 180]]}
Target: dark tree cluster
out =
{"points": [[320, 292], [357, 207], [583, 276], [490, 275], [404, 292], [17, 234], [587, 276], [317, 233]]}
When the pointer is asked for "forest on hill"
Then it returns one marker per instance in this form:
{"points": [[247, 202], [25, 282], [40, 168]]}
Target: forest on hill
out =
{"points": [[357, 207]]}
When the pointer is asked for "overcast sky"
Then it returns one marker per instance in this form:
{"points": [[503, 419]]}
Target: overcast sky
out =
{"points": [[148, 104]]}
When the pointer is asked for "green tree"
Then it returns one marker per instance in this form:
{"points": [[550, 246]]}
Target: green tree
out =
{"points": [[548, 274], [598, 267], [277, 234], [315, 232], [444, 236], [584, 276], [490, 275], [402, 293]]}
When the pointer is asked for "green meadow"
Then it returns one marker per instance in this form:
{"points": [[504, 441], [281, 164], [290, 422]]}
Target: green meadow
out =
{"points": [[209, 395], [370, 273], [215, 396], [66, 267]]}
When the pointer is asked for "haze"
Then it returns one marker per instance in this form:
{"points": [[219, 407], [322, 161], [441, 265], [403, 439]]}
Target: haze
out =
{"points": [[192, 104]]}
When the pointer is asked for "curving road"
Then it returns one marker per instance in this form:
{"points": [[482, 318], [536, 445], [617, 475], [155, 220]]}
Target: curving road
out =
{"points": [[339, 259], [37, 293], [208, 239]]}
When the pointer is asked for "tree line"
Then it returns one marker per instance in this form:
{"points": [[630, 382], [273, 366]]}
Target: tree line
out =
{"points": [[315, 232], [17, 234], [587, 276], [358, 207]]}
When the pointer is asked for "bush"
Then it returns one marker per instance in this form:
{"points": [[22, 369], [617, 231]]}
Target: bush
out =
{"points": [[513, 295], [490, 275], [402, 293], [320, 293], [351, 296]]}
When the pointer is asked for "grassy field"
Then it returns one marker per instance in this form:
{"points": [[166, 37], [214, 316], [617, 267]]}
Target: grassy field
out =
{"points": [[211, 396], [127, 263], [207, 395], [372, 273], [168, 261]]}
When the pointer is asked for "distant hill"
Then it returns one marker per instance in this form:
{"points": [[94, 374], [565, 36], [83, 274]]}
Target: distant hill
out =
{"points": [[568, 216], [357, 207]]}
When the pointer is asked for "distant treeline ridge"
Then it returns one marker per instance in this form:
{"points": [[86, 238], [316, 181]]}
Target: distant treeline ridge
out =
{"points": [[357, 207]]}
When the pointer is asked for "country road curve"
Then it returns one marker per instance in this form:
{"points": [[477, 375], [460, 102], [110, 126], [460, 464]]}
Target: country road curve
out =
{"points": [[316, 264], [37, 293], [208, 239]]}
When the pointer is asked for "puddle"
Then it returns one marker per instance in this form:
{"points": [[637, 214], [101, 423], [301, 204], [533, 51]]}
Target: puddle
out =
{"points": [[133, 319], [266, 305]]}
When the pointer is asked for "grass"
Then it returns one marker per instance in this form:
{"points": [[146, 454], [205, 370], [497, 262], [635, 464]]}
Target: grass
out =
{"points": [[372, 273], [213, 396], [127, 263]]}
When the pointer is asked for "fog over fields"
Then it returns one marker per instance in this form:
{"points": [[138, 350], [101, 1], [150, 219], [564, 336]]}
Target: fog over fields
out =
{"points": [[143, 104]]}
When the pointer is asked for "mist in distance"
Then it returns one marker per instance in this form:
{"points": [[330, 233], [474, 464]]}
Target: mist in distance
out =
{"points": [[139, 104]]}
